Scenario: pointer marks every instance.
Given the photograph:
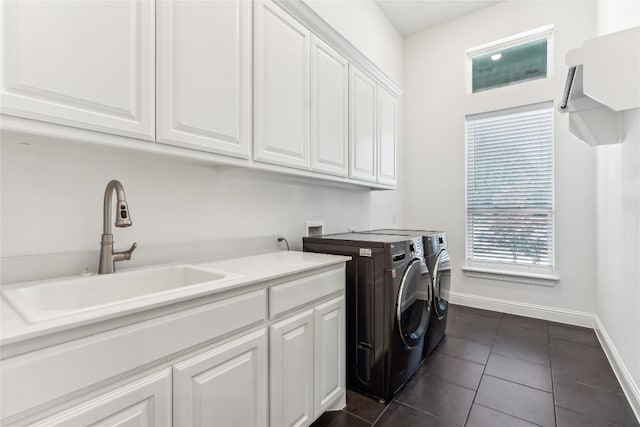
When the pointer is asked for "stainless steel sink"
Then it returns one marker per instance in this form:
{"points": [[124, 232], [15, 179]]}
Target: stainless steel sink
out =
{"points": [[45, 300]]}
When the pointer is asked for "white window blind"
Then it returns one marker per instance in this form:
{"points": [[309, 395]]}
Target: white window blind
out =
{"points": [[510, 188]]}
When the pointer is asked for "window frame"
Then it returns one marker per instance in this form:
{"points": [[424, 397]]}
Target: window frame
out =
{"points": [[545, 32], [522, 273]]}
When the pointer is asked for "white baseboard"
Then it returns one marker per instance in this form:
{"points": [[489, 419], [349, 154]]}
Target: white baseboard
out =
{"points": [[629, 386], [571, 317]]}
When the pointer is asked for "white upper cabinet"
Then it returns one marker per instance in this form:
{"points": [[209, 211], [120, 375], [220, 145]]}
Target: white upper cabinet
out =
{"points": [[362, 126], [281, 92], [387, 135], [87, 64], [204, 75], [329, 109]]}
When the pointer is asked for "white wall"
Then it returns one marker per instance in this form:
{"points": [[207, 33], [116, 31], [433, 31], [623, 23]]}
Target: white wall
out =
{"points": [[436, 103], [618, 213], [51, 197]]}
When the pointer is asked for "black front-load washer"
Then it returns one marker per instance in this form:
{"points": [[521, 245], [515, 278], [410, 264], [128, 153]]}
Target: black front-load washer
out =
{"points": [[437, 260], [388, 308]]}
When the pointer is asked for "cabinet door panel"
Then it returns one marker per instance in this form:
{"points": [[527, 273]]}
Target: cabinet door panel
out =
{"points": [[204, 75], [145, 402], [387, 135], [329, 109], [225, 386], [292, 371], [362, 126], [281, 94], [87, 64], [329, 352]]}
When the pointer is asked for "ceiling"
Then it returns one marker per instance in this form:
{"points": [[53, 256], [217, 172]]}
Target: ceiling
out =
{"points": [[410, 16]]}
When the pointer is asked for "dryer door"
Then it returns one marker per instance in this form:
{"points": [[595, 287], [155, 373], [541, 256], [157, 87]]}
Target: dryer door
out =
{"points": [[414, 303], [441, 280]]}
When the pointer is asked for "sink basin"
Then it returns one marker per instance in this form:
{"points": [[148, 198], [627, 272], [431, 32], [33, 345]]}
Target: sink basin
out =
{"points": [[45, 300]]}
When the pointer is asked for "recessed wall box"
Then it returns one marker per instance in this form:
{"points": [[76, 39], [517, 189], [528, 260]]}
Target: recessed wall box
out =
{"points": [[314, 228]]}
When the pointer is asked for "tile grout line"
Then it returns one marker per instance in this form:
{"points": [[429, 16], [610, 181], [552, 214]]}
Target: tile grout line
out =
{"points": [[359, 417], [553, 388], [444, 380], [513, 382], [599, 419], [385, 409], [460, 358], [523, 385], [425, 412], [510, 415], [523, 360], [475, 394], [591, 386]]}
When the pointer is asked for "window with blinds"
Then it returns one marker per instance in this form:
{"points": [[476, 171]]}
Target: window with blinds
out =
{"points": [[510, 188]]}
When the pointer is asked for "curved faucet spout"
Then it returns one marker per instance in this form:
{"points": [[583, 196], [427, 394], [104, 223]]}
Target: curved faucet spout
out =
{"points": [[123, 219]]}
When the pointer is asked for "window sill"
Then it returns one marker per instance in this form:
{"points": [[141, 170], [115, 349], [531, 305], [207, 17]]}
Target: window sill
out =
{"points": [[529, 278]]}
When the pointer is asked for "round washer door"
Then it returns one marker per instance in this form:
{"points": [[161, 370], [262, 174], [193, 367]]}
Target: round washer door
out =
{"points": [[442, 268], [413, 304]]}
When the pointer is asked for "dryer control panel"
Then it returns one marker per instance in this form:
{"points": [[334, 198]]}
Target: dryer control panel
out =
{"points": [[416, 247]]}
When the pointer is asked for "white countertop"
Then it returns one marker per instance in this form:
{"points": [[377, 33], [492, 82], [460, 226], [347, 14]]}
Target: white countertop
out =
{"points": [[252, 269]]}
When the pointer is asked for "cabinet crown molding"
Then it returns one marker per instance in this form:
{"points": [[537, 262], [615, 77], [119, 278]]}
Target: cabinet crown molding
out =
{"points": [[307, 16]]}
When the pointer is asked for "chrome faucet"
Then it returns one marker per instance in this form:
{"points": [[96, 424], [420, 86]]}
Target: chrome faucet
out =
{"points": [[108, 257]]}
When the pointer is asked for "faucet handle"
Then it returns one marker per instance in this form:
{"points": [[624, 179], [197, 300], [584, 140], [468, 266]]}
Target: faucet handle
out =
{"points": [[124, 255], [128, 252], [132, 248]]}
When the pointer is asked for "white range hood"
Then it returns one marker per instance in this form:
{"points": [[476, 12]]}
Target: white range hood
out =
{"points": [[603, 82]]}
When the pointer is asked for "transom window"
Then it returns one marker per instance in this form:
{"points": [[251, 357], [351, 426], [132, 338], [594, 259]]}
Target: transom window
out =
{"points": [[509, 188], [516, 59]]}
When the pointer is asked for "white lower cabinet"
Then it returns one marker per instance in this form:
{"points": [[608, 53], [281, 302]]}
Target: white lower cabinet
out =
{"points": [[224, 386], [292, 371], [307, 363], [270, 356], [144, 402], [329, 353]]}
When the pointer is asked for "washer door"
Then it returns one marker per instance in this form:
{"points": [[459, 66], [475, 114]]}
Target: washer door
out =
{"points": [[441, 273], [413, 303]]}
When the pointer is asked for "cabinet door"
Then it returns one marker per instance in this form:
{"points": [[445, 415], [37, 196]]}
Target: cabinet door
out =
{"points": [[281, 96], [387, 135], [87, 64], [204, 75], [329, 354], [329, 109], [362, 126], [292, 370], [145, 402], [225, 386]]}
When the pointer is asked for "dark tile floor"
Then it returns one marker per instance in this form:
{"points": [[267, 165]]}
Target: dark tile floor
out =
{"points": [[500, 370]]}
